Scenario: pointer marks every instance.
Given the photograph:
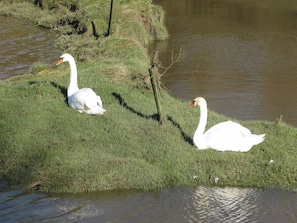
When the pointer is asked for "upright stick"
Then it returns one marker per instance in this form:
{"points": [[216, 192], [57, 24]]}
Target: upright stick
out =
{"points": [[155, 90], [110, 18]]}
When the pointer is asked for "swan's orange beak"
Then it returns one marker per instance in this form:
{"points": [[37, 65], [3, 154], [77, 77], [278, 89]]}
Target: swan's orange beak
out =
{"points": [[59, 61], [192, 105]]}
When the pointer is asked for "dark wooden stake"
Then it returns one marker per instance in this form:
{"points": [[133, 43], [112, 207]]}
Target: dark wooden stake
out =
{"points": [[110, 18], [94, 30], [155, 89]]}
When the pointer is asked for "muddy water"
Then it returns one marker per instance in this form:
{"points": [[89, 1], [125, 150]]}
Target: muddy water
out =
{"points": [[184, 204], [22, 45], [240, 57]]}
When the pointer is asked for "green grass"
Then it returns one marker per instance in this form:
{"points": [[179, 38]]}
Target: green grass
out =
{"points": [[49, 147]]}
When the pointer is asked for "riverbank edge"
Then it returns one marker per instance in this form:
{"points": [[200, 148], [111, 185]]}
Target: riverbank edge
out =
{"points": [[169, 160]]}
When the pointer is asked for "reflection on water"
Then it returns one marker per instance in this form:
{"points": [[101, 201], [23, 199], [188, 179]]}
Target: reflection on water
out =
{"points": [[173, 205], [230, 204], [241, 58], [22, 45]]}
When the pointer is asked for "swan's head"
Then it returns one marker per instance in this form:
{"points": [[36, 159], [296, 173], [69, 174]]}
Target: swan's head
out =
{"points": [[64, 58], [198, 101]]}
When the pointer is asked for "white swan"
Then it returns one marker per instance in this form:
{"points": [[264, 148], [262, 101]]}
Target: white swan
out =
{"points": [[85, 99], [225, 136]]}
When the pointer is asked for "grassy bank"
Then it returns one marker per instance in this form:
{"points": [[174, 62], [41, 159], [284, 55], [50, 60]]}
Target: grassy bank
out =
{"points": [[82, 28], [49, 147]]}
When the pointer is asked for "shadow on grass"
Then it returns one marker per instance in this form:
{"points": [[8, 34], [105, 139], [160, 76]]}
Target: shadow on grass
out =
{"points": [[125, 105], [155, 117], [187, 138], [62, 89]]}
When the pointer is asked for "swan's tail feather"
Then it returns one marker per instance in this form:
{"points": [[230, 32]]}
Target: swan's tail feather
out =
{"points": [[257, 139]]}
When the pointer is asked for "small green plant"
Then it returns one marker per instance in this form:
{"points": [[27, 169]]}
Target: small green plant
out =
{"points": [[38, 67]]}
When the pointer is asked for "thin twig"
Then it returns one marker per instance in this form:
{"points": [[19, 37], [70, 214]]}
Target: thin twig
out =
{"points": [[174, 59]]}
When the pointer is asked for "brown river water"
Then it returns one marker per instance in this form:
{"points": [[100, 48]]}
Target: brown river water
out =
{"points": [[240, 58], [22, 45]]}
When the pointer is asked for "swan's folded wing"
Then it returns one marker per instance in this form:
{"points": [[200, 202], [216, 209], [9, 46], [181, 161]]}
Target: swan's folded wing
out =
{"points": [[226, 136], [239, 128], [87, 97], [82, 99], [228, 127]]}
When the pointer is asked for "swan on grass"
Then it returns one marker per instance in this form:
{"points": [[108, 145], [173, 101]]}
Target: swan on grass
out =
{"points": [[224, 136], [85, 99]]}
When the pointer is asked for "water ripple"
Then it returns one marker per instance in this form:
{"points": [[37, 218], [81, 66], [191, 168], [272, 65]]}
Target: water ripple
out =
{"points": [[185, 204], [22, 45]]}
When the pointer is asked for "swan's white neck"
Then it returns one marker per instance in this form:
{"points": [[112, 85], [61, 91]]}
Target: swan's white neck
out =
{"points": [[72, 88], [198, 136], [202, 120]]}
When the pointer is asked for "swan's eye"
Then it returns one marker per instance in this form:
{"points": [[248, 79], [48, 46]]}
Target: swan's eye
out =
{"points": [[194, 102]]}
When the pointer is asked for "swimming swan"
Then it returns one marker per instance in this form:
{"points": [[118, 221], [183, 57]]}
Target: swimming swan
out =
{"points": [[224, 136], [85, 99]]}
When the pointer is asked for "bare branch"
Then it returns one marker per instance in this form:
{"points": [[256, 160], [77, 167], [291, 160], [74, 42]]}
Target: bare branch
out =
{"points": [[175, 59]]}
